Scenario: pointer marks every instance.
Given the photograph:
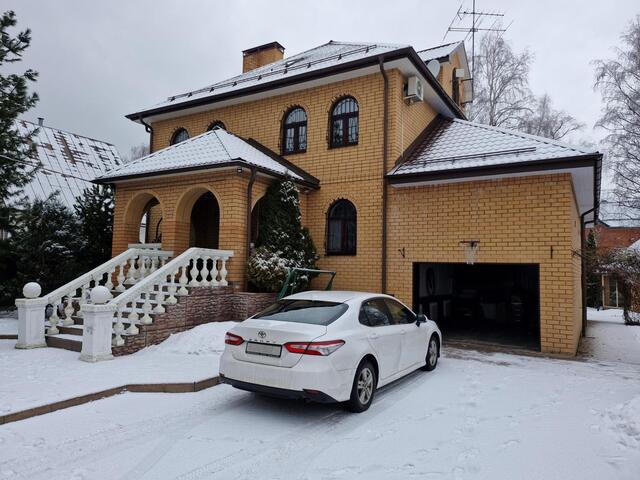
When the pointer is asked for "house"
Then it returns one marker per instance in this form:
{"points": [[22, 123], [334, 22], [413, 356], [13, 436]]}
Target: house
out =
{"points": [[478, 227]]}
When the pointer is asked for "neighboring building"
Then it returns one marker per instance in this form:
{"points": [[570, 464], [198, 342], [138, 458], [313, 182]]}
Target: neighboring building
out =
{"points": [[396, 186], [69, 162]]}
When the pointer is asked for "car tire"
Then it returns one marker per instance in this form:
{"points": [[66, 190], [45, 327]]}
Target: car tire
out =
{"points": [[433, 352], [364, 387]]}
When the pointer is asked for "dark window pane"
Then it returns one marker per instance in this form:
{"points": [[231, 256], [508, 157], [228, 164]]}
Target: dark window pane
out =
{"points": [[399, 313], [288, 140], [335, 236], [302, 137], [304, 311], [180, 136], [296, 115], [376, 312], [337, 132], [353, 130]]}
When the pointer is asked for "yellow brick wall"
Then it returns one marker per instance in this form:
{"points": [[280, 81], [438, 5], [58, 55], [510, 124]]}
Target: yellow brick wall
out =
{"points": [[516, 220]]}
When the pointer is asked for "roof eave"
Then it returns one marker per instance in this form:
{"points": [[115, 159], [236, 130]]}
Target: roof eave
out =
{"points": [[408, 52]]}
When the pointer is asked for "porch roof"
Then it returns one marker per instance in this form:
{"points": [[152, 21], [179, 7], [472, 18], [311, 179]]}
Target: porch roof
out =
{"points": [[452, 150], [214, 149]]}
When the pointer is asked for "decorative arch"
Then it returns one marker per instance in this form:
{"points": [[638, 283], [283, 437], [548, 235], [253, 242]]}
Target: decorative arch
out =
{"points": [[180, 135], [135, 210], [341, 228], [199, 212], [344, 122], [216, 124]]}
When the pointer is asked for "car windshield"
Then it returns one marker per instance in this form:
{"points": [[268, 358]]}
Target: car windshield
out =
{"points": [[304, 311]]}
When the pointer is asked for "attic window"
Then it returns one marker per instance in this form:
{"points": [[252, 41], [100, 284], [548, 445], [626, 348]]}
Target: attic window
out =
{"points": [[216, 124], [294, 131], [179, 136]]}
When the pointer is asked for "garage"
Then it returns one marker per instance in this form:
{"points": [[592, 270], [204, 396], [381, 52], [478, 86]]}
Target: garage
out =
{"points": [[490, 303]]}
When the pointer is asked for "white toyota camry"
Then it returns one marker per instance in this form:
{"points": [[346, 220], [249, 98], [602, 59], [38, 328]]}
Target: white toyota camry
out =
{"points": [[329, 346]]}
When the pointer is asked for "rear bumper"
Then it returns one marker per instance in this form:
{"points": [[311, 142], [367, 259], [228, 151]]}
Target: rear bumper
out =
{"points": [[311, 395]]}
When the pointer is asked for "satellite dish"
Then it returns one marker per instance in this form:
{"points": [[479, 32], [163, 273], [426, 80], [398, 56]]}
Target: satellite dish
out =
{"points": [[434, 67]]}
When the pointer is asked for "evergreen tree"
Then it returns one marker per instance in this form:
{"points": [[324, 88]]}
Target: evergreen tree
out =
{"points": [[45, 243], [15, 99], [94, 211], [283, 243], [594, 298]]}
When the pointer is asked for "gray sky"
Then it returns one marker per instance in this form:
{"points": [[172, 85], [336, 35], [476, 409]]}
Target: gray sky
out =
{"points": [[101, 60]]}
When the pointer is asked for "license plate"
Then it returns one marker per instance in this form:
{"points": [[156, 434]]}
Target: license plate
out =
{"points": [[264, 349]]}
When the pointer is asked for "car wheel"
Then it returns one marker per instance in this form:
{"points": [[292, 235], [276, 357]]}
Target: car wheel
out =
{"points": [[432, 354], [364, 388]]}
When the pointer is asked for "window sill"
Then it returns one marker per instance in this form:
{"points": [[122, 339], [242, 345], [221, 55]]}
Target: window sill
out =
{"points": [[338, 254], [331, 147], [295, 152]]}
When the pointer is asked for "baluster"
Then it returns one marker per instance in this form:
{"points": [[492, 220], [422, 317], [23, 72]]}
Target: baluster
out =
{"points": [[172, 300], [133, 314], [131, 273], [183, 281], [142, 267], [69, 310], [159, 308], [154, 264], [146, 309], [81, 299], [204, 272], [109, 283], [214, 272], [194, 273], [223, 272], [132, 319], [54, 319], [118, 329], [121, 277]]}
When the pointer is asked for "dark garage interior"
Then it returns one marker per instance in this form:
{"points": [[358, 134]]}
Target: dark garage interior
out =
{"points": [[491, 303]]}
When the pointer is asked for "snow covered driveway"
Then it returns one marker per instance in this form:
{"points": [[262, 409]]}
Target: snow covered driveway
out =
{"points": [[477, 416]]}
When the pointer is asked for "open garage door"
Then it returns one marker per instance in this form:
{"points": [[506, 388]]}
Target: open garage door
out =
{"points": [[490, 303]]}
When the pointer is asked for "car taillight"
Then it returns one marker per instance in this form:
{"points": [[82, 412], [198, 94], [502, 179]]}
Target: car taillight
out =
{"points": [[314, 348], [231, 339]]}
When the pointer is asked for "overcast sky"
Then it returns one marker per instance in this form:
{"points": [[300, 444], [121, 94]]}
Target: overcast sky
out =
{"points": [[101, 60]]}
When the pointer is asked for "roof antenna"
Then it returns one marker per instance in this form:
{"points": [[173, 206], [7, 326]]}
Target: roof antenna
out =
{"points": [[476, 19]]}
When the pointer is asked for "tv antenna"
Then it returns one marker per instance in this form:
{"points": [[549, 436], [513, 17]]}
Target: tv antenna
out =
{"points": [[477, 18]]}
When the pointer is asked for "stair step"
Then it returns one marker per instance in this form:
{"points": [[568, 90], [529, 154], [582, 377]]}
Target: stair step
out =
{"points": [[75, 330], [68, 342]]}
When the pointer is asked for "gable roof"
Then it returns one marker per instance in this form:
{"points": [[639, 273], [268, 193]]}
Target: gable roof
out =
{"points": [[438, 52], [329, 59], [214, 149], [451, 149], [69, 162]]}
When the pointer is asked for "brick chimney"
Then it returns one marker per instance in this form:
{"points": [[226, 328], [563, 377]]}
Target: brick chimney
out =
{"points": [[262, 55]]}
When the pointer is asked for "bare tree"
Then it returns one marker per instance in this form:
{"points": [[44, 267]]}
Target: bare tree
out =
{"points": [[619, 82], [137, 151], [547, 122], [501, 87]]}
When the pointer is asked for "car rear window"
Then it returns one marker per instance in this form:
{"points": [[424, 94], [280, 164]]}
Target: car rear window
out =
{"points": [[304, 311]]}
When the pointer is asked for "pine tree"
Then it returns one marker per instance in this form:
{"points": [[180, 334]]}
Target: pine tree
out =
{"points": [[94, 211], [283, 243], [594, 298], [45, 243], [15, 99]]}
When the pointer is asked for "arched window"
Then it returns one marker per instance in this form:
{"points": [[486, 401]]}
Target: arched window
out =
{"points": [[216, 124], [294, 131], [344, 122], [179, 136], [341, 228]]}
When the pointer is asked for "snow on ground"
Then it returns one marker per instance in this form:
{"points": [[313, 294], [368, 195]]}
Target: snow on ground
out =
{"points": [[478, 415], [31, 378], [609, 339], [8, 322]]}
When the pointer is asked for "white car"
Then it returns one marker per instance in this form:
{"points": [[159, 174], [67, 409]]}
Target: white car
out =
{"points": [[329, 346]]}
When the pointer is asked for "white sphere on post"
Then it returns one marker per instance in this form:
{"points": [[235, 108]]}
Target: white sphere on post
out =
{"points": [[31, 290], [100, 295]]}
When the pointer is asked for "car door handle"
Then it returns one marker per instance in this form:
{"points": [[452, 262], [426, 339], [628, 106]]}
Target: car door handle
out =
{"points": [[373, 336]]}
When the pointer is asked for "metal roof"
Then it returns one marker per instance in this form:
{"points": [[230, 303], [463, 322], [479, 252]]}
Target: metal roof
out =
{"points": [[452, 144], [438, 52], [69, 162], [214, 149]]}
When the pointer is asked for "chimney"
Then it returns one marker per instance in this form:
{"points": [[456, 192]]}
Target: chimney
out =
{"points": [[40, 121], [262, 55]]}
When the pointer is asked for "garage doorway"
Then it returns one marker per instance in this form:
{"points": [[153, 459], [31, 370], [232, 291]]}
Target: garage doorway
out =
{"points": [[492, 303]]}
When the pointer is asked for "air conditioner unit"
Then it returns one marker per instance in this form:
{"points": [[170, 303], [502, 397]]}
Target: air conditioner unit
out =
{"points": [[459, 72], [414, 90]]}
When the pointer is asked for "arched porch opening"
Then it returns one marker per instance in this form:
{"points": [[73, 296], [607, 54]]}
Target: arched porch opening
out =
{"points": [[256, 215], [204, 229], [143, 219]]}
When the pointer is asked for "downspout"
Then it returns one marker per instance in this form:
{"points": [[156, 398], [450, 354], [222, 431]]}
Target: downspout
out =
{"points": [[385, 140], [583, 261], [252, 179], [149, 129]]}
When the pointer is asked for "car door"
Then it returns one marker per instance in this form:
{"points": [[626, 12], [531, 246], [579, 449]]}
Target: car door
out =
{"points": [[385, 338], [413, 337]]}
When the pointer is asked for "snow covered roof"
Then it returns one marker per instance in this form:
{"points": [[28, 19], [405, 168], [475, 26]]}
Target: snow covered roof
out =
{"points": [[324, 56], [69, 162], [214, 149], [453, 144], [438, 52], [634, 247]]}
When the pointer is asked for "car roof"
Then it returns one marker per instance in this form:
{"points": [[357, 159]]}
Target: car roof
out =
{"points": [[341, 296]]}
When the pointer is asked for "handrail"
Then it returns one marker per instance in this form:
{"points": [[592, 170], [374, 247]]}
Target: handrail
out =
{"points": [[100, 270], [170, 268]]}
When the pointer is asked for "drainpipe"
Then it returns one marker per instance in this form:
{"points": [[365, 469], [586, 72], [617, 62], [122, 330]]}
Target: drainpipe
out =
{"points": [[583, 261], [385, 140], [252, 179], [149, 129]]}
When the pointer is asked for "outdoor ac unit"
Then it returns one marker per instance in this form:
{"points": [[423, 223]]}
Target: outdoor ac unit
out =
{"points": [[414, 89], [459, 72]]}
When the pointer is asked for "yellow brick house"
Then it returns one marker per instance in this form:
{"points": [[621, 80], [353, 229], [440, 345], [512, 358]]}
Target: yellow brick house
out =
{"points": [[476, 226]]}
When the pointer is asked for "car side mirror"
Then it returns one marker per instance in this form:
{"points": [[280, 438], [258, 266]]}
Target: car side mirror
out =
{"points": [[421, 318]]}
